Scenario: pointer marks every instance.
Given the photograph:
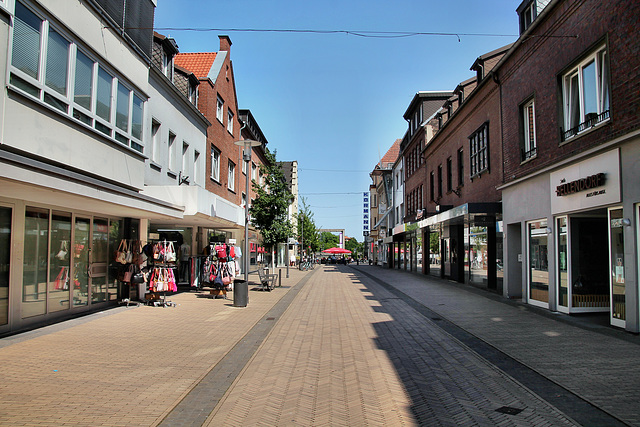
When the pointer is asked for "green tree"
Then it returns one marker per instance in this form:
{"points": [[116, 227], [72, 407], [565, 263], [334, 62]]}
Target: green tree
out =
{"points": [[328, 240], [270, 208], [307, 230], [353, 245]]}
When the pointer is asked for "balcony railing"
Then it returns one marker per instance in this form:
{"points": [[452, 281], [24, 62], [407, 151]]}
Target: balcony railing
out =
{"points": [[591, 120], [526, 155]]}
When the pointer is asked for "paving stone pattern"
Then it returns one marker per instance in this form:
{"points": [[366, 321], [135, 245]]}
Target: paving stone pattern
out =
{"points": [[343, 356], [340, 346]]}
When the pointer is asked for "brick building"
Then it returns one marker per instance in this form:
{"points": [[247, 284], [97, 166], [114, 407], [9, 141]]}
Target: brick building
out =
{"points": [[223, 158], [570, 100]]}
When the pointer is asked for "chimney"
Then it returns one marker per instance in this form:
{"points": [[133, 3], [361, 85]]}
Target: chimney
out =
{"points": [[225, 43]]}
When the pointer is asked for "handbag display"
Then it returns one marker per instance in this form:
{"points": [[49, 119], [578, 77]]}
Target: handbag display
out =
{"points": [[169, 252], [121, 256], [64, 251], [139, 277], [128, 274]]}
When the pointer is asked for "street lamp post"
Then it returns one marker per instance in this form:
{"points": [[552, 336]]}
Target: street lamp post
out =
{"points": [[247, 145]]}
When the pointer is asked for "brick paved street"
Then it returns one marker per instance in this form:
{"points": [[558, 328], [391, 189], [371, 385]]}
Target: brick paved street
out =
{"points": [[340, 345]]}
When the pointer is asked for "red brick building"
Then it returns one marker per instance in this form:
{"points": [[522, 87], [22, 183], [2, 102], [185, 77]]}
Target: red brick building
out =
{"points": [[217, 101], [571, 200], [453, 163]]}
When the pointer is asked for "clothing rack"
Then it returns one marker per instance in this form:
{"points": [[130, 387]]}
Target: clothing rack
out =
{"points": [[161, 276], [217, 268]]}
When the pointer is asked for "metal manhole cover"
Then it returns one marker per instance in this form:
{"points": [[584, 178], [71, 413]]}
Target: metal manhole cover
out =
{"points": [[509, 410]]}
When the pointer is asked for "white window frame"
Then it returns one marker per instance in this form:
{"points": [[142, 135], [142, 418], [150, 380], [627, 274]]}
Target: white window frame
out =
{"points": [[193, 94], [215, 164], [171, 143], [196, 167], [220, 109], [230, 121], [599, 58], [529, 130], [530, 300], [231, 181], [156, 140], [253, 171], [64, 103], [185, 159]]}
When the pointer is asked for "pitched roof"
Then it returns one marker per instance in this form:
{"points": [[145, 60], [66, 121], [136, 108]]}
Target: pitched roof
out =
{"points": [[199, 63], [392, 155]]}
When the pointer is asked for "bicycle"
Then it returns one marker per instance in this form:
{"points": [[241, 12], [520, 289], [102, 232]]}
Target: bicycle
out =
{"points": [[306, 265]]}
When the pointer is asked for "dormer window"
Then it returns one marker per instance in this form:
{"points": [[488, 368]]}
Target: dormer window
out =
{"points": [[527, 12], [167, 65], [193, 94], [479, 72]]}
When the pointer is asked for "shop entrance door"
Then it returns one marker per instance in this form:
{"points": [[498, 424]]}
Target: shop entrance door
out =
{"points": [[616, 267], [90, 261], [5, 263], [581, 278]]}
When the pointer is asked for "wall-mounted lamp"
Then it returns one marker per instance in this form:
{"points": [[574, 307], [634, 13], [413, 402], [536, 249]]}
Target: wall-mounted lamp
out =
{"points": [[549, 230], [626, 222]]}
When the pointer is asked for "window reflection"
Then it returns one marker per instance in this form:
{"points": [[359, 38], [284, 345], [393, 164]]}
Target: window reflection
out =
{"points": [[34, 280], [538, 261]]}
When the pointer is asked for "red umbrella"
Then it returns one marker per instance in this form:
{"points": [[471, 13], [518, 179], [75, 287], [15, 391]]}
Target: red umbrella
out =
{"points": [[336, 251]]}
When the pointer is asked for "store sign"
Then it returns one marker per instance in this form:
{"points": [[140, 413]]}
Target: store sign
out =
{"points": [[591, 183], [588, 183], [365, 213]]}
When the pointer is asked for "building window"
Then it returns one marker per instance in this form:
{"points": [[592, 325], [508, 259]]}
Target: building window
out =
{"points": [[220, 110], [528, 131], [231, 182], [155, 139], [253, 171], [40, 67], [185, 159], [449, 175], [193, 94], [460, 167], [172, 151], [439, 181], [230, 122], [527, 15], [196, 167], [479, 151], [215, 164], [585, 91], [432, 186]]}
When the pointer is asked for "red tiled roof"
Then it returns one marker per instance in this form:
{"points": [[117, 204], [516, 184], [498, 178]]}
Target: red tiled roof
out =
{"points": [[392, 154], [198, 63]]}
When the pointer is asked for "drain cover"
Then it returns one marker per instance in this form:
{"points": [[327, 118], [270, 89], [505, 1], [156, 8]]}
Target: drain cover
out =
{"points": [[271, 318], [509, 410], [436, 318]]}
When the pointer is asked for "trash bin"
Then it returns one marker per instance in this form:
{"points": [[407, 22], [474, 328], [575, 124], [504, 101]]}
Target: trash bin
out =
{"points": [[240, 293]]}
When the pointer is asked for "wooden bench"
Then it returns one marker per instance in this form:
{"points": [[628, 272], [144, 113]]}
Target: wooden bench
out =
{"points": [[267, 281]]}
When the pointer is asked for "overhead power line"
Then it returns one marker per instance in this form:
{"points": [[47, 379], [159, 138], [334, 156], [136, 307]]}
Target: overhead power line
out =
{"points": [[334, 170], [357, 33]]}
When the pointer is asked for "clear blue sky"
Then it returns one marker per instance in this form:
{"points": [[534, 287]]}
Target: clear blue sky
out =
{"points": [[334, 102]]}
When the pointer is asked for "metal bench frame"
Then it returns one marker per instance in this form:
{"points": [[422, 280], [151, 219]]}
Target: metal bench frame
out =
{"points": [[267, 281]]}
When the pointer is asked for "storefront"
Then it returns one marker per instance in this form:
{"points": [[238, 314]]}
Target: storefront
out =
{"points": [[57, 262], [405, 248], [578, 249], [58, 235], [465, 244]]}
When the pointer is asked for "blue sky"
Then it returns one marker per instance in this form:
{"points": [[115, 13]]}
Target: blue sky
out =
{"points": [[334, 102]]}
